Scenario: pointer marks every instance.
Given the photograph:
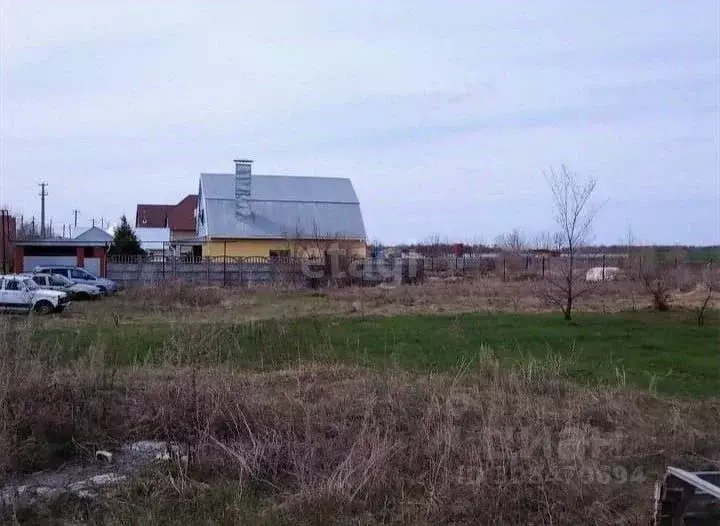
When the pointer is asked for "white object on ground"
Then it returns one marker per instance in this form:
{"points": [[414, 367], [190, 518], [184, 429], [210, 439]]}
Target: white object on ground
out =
{"points": [[597, 273]]}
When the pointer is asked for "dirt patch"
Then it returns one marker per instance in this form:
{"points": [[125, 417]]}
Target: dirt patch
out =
{"points": [[87, 476]]}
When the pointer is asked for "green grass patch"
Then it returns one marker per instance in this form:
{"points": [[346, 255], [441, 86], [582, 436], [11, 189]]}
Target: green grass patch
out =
{"points": [[663, 351]]}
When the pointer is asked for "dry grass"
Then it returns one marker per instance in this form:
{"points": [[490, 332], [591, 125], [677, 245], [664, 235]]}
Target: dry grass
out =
{"points": [[322, 444], [495, 445], [173, 294], [190, 303], [456, 294]]}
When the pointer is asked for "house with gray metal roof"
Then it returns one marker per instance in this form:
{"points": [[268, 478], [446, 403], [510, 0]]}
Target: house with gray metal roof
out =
{"points": [[92, 233], [243, 214]]}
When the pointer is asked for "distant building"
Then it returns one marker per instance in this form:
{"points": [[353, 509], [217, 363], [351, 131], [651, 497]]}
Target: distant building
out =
{"points": [[154, 240], [88, 248], [89, 254], [179, 219], [242, 214]]}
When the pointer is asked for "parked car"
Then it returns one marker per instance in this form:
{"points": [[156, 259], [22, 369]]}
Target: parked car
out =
{"points": [[20, 293], [79, 275], [76, 291]]}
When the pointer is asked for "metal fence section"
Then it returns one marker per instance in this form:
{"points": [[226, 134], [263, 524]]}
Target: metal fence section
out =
{"points": [[258, 271], [128, 271], [517, 266]]}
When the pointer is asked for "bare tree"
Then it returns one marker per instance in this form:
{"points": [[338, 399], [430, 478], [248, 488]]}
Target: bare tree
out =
{"points": [[630, 247], [514, 241], [543, 241], [547, 241], [28, 230], [574, 214]]}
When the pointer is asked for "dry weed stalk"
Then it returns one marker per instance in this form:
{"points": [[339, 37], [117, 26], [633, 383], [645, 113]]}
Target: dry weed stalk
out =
{"points": [[513, 445]]}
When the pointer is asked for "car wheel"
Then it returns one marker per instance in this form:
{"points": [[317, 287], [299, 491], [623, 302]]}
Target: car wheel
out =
{"points": [[103, 290], [83, 296], [44, 307]]}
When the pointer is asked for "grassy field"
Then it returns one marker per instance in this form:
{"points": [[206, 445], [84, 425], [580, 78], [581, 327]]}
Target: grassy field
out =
{"points": [[364, 406], [662, 351]]}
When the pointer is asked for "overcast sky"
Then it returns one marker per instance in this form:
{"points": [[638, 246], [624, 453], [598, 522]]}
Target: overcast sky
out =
{"points": [[444, 114]]}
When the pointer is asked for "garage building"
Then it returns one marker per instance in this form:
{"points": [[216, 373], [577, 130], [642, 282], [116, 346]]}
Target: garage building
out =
{"points": [[88, 254]]}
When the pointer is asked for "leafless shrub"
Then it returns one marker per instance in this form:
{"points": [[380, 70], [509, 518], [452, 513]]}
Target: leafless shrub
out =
{"points": [[711, 284], [657, 284], [660, 280]]}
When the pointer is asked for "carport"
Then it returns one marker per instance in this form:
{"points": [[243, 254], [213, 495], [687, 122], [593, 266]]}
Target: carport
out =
{"points": [[91, 255]]}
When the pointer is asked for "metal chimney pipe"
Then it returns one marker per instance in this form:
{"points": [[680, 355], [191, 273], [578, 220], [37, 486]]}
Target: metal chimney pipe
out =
{"points": [[243, 187]]}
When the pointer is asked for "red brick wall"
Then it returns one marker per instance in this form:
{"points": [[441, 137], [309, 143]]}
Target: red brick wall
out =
{"points": [[99, 252], [7, 236]]}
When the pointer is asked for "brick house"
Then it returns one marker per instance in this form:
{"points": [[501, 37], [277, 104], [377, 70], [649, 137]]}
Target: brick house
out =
{"points": [[179, 218]]}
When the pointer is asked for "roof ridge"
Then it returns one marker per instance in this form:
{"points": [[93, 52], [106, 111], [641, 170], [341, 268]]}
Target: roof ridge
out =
{"points": [[255, 199], [283, 175]]}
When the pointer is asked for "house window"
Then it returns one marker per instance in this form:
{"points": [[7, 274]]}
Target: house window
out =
{"points": [[277, 254]]}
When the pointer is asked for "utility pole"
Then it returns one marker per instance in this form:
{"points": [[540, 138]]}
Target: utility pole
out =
{"points": [[43, 195], [75, 213]]}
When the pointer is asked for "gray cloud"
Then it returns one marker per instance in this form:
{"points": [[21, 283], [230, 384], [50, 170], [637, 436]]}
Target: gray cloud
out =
{"points": [[444, 117]]}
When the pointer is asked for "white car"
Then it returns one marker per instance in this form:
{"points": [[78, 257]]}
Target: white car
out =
{"points": [[76, 291], [20, 293]]}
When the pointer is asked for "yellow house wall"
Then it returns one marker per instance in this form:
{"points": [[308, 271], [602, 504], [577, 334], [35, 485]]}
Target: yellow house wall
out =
{"points": [[262, 247]]}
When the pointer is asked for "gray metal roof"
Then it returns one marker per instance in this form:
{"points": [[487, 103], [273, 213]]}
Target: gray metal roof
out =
{"points": [[61, 243], [94, 234], [282, 188], [283, 207]]}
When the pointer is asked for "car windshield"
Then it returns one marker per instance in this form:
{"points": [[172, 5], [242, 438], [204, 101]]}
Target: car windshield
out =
{"points": [[30, 284]]}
